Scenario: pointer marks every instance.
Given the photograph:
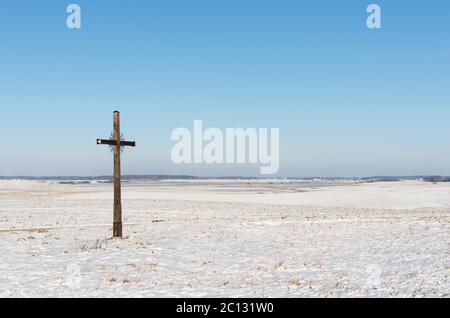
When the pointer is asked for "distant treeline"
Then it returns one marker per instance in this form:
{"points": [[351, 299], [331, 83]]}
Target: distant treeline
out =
{"points": [[437, 179], [164, 177], [99, 178], [424, 178], [70, 179]]}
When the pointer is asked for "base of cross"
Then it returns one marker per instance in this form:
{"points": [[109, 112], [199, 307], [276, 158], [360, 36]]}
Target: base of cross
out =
{"points": [[117, 229]]}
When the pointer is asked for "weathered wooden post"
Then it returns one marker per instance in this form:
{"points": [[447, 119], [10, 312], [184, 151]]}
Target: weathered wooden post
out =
{"points": [[117, 225], [117, 143]]}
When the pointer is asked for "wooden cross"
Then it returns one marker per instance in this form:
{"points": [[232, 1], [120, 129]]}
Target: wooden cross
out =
{"points": [[117, 143]]}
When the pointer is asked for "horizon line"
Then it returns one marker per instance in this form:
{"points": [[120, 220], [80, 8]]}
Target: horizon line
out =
{"points": [[182, 176]]}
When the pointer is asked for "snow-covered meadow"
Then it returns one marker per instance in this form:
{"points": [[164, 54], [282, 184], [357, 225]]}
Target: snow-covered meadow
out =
{"points": [[230, 239]]}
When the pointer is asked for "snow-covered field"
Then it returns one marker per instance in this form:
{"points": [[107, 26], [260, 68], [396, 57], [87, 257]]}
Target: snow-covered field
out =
{"points": [[245, 239]]}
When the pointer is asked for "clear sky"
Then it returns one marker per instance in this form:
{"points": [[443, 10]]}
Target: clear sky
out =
{"points": [[349, 101]]}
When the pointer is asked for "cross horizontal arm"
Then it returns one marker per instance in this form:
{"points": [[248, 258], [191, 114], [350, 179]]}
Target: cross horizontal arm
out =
{"points": [[114, 142]]}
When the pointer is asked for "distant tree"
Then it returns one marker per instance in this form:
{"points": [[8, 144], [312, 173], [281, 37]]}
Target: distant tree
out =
{"points": [[436, 179]]}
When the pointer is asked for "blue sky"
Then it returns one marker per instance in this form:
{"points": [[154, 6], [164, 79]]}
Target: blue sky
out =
{"points": [[349, 101]]}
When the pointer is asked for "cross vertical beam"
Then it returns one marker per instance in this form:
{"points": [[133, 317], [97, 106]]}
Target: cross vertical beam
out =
{"points": [[117, 225], [117, 143]]}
